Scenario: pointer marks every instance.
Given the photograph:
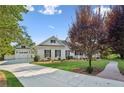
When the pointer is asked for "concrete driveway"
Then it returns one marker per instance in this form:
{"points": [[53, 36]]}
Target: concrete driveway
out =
{"points": [[38, 76], [17, 61]]}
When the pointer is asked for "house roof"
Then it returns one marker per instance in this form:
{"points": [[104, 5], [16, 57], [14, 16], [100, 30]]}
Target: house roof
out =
{"points": [[64, 42], [21, 47], [61, 42]]}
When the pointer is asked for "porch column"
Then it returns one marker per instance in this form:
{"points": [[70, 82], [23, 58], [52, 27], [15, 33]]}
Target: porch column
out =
{"points": [[62, 54], [52, 54]]}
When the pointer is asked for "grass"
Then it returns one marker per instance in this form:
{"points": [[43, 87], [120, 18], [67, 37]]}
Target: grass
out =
{"points": [[120, 64], [71, 65], [112, 56], [12, 81]]}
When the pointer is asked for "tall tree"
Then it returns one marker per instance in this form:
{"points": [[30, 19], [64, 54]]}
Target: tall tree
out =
{"points": [[86, 32], [115, 25], [26, 40], [10, 31]]}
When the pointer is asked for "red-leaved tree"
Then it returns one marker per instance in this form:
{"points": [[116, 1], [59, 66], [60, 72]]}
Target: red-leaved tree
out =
{"points": [[86, 33], [115, 27]]}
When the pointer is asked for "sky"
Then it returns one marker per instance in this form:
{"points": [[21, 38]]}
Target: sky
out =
{"points": [[43, 22]]}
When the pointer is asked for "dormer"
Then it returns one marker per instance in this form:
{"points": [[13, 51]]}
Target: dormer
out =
{"points": [[53, 41], [23, 46]]}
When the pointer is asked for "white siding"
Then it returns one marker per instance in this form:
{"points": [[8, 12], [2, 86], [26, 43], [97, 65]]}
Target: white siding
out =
{"points": [[40, 51], [23, 53]]}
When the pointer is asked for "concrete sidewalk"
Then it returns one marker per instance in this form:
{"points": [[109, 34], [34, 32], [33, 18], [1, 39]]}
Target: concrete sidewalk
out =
{"points": [[38, 76], [111, 71]]}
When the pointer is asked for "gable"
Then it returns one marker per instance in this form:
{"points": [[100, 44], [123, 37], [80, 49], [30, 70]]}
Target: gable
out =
{"points": [[52, 41]]}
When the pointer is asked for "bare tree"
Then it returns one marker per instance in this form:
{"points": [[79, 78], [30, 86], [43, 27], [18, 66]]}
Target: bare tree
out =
{"points": [[86, 32]]}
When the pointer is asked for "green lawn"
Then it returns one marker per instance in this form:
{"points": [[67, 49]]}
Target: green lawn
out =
{"points": [[120, 65], [12, 81], [71, 65]]}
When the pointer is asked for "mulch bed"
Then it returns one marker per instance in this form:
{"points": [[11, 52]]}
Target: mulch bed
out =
{"points": [[83, 71], [3, 82]]}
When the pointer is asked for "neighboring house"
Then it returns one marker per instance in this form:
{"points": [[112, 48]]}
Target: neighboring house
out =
{"points": [[55, 49]]}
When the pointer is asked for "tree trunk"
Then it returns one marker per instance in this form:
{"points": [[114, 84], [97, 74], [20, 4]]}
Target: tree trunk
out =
{"points": [[90, 69], [90, 63], [2, 57]]}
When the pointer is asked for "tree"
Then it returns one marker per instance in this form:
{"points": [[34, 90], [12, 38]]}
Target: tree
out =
{"points": [[26, 40], [115, 27], [10, 30], [86, 32]]}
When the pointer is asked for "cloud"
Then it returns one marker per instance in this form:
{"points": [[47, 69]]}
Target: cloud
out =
{"points": [[52, 27], [50, 10], [30, 7], [103, 10]]}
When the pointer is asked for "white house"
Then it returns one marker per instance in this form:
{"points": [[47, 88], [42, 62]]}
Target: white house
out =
{"points": [[53, 48]]}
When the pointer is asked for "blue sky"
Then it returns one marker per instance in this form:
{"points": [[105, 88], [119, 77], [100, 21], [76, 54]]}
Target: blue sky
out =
{"points": [[43, 22]]}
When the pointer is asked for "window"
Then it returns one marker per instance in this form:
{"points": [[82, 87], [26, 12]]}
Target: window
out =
{"points": [[23, 47], [78, 53], [81, 53], [53, 41], [23, 52], [47, 53], [57, 53], [67, 53]]}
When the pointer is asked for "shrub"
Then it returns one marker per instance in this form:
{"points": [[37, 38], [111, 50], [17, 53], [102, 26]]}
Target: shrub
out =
{"points": [[36, 58], [52, 60], [59, 58], [62, 60], [69, 57]]}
